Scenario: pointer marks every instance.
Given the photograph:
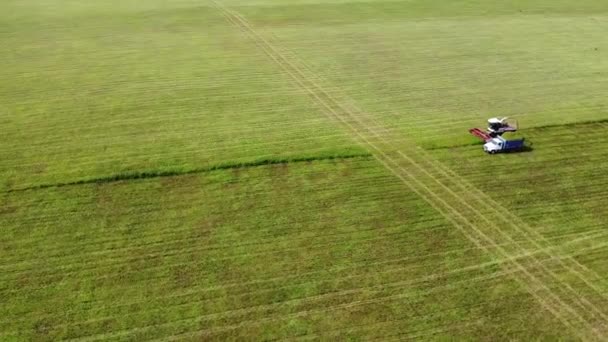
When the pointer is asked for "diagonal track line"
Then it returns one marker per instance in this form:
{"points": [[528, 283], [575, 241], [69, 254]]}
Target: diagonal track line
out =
{"points": [[304, 85], [515, 221], [483, 200], [413, 174]]}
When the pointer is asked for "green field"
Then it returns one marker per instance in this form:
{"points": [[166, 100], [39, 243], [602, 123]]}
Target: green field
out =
{"points": [[264, 169]]}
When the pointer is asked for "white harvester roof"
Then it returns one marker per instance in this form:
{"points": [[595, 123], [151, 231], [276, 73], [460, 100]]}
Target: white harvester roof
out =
{"points": [[496, 120]]}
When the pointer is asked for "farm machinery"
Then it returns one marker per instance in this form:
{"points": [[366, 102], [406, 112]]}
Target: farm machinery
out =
{"points": [[494, 142]]}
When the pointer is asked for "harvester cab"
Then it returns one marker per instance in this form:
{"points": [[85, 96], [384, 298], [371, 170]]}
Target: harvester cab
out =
{"points": [[498, 126]]}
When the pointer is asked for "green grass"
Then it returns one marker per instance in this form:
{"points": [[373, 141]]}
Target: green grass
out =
{"points": [[184, 172], [432, 69], [558, 186], [163, 176], [143, 89], [275, 251]]}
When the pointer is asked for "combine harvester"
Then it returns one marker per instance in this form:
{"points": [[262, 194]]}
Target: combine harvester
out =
{"points": [[494, 142], [497, 127]]}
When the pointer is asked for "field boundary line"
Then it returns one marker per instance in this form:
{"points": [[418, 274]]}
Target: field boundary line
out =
{"points": [[150, 174]]}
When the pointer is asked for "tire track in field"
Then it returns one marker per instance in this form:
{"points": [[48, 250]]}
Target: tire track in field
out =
{"points": [[410, 335], [110, 269], [515, 221], [482, 199], [268, 318], [348, 276], [467, 273], [471, 208], [269, 308], [565, 303]]}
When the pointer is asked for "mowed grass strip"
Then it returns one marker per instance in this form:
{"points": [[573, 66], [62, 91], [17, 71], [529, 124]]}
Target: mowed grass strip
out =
{"points": [[328, 248]]}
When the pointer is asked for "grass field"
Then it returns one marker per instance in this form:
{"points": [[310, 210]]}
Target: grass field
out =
{"points": [[265, 169]]}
